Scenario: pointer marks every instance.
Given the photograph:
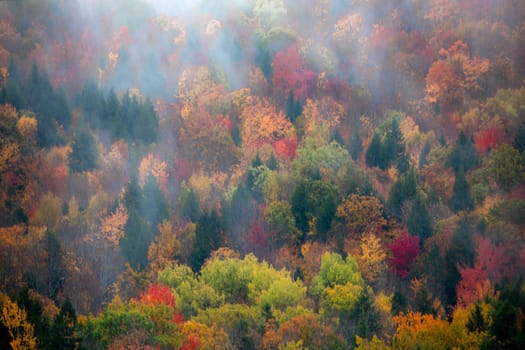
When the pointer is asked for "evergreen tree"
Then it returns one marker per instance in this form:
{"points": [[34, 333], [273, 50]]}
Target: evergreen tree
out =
{"points": [[519, 139], [356, 144], [294, 108], [189, 205], [314, 202], [35, 315], [399, 302], [83, 155], [63, 330], [463, 156], [374, 153], [394, 146], [272, 163], [403, 189], [461, 194], [154, 206], [56, 271], [423, 156], [461, 253], [419, 222], [209, 236], [138, 234]]}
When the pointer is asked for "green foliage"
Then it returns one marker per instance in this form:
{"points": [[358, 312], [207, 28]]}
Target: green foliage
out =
{"points": [[247, 280], [386, 147], [463, 156], [154, 206], [461, 194], [319, 159], [334, 271], [188, 204], [84, 152], [314, 203], [507, 166], [192, 293], [209, 235], [280, 220], [403, 189], [63, 330], [241, 322], [419, 222]]}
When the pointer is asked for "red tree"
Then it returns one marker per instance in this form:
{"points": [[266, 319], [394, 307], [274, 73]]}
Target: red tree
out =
{"points": [[488, 139], [290, 74], [405, 250]]}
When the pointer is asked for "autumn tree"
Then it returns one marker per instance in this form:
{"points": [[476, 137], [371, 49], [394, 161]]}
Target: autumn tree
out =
{"points": [[361, 214], [19, 329], [405, 249]]}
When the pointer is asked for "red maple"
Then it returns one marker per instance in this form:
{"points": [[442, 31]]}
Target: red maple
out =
{"points": [[405, 250]]}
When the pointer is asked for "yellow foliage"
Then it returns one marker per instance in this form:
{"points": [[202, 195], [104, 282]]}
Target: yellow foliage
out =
{"points": [[165, 248], [262, 123], [112, 227], [361, 213], [15, 320], [372, 259], [210, 338], [27, 126]]}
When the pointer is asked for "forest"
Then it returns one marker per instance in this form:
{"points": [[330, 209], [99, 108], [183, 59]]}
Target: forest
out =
{"points": [[262, 174]]}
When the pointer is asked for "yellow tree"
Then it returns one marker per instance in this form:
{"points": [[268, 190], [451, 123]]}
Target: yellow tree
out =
{"points": [[372, 258], [261, 122], [165, 247], [19, 328]]}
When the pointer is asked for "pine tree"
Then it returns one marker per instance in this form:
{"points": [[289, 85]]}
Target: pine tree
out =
{"points": [[83, 155], [461, 194], [63, 330], [374, 153], [356, 144], [464, 156], [419, 222], [209, 236]]}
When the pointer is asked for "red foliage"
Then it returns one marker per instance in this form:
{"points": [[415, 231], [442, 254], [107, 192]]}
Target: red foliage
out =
{"points": [[286, 148], [224, 121], [405, 250], [257, 237], [493, 259], [471, 286], [488, 139], [158, 294], [289, 73], [181, 169], [190, 344]]}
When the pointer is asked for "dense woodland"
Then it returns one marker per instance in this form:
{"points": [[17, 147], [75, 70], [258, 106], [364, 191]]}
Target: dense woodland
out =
{"points": [[262, 174]]}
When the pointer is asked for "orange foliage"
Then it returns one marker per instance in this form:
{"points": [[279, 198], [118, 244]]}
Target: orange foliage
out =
{"points": [[261, 123]]}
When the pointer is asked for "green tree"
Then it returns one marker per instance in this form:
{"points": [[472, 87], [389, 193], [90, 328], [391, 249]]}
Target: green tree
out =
{"points": [[84, 153], [461, 194], [419, 222], [154, 206], [403, 189], [374, 153], [63, 330], [356, 144], [209, 236], [507, 166], [314, 203], [463, 156]]}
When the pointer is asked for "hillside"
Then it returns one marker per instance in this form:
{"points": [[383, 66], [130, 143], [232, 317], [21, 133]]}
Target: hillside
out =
{"points": [[262, 174]]}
